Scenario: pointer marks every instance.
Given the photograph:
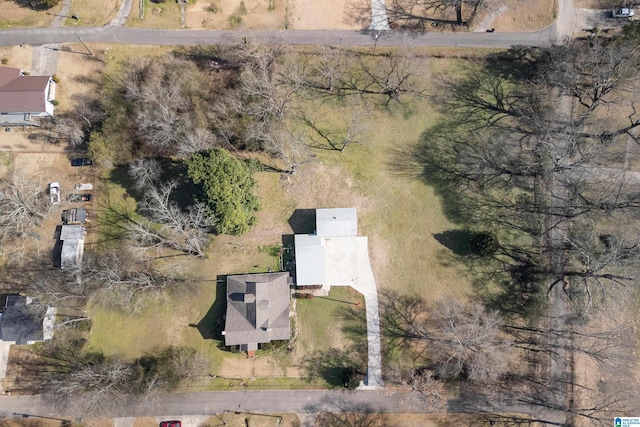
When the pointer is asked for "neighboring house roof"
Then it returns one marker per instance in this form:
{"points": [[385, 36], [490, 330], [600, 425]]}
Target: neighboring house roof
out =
{"points": [[25, 322], [22, 94], [72, 237], [257, 309], [337, 222]]}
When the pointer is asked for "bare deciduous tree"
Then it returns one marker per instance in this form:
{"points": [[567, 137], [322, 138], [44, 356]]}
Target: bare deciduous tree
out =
{"points": [[423, 389], [332, 137]]}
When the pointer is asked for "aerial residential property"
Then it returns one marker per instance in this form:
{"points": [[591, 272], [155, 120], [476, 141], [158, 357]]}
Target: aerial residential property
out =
{"points": [[24, 97]]}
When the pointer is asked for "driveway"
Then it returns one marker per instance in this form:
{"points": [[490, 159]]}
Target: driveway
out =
{"points": [[5, 346], [347, 264]]}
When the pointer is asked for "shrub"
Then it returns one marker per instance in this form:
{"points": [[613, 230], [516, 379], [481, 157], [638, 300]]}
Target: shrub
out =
{"points": [[39, 4]]}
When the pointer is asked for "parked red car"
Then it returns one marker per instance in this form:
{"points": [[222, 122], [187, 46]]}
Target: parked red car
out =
{"points": [[171, 424]]}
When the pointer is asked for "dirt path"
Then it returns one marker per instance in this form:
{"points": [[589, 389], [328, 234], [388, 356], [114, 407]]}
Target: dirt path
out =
{"points": [[488, 20]]}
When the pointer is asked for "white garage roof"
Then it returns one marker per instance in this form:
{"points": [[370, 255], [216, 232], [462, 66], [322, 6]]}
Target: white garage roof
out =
{"points": [[310, 265], [337, 222]]}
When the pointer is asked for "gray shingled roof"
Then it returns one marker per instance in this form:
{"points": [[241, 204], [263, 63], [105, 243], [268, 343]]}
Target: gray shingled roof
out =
{"points": [[257, 309], [22, 322]]}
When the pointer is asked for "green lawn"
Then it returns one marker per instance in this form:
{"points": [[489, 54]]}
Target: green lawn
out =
{"points": [[321, 320]]}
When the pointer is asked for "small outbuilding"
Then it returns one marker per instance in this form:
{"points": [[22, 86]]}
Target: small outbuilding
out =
{"points": [[71, 245]]}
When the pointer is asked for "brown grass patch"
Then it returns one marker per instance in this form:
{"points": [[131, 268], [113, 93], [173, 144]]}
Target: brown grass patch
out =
{"points": [[92, 13], [597, 4], [14, 16], [247, 14], [253, 420], [526, 15], [17, 56]]}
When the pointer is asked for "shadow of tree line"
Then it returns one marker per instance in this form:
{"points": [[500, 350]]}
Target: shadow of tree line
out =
{"points": [[484, 161]]}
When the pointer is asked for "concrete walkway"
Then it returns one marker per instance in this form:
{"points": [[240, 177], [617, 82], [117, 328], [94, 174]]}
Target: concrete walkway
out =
{"points": [[379, 20]]}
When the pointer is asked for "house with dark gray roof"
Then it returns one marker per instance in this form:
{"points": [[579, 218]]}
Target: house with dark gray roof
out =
{"points": [[257, 310], [24, 97], [25, 321]]}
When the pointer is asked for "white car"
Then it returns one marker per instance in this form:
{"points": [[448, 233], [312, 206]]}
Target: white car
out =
{"points": [[623, 12], [54, 193], [83, 186]]}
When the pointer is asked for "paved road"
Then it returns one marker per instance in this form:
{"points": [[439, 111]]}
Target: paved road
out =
{"points": [[124, 35], [271, 401]]}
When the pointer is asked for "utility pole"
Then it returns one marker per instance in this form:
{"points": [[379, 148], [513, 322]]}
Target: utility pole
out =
{"points": [[85, 46], [375, 43]]}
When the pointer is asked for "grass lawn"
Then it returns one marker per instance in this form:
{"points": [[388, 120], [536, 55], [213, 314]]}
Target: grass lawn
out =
{"points": [[92, 13], [321, 320], [156, 15], [398, 213], [14, 16]]}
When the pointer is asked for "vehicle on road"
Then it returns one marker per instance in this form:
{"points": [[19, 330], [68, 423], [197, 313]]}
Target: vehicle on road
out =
{"points": [[54, 193], [75, 197], [82, 161], [171, 424], [623, 12], [83, 186]]}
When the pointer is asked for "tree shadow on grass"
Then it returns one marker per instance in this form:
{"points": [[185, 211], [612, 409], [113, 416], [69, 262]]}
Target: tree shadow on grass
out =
{"points": [[212, 324], [458, 241], [183, 194]]}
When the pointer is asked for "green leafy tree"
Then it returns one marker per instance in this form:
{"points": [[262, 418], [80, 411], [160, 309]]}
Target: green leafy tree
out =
{"points": [[226, 186]]}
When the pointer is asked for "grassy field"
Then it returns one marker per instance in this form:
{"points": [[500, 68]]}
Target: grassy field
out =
{"points": [[156, 15], [321, 320], [92, 13], [14, 16]]}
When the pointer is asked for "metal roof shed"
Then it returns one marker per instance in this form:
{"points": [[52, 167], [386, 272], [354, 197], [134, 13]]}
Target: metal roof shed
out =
{"points": [[72, 237], [337, 222]]}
